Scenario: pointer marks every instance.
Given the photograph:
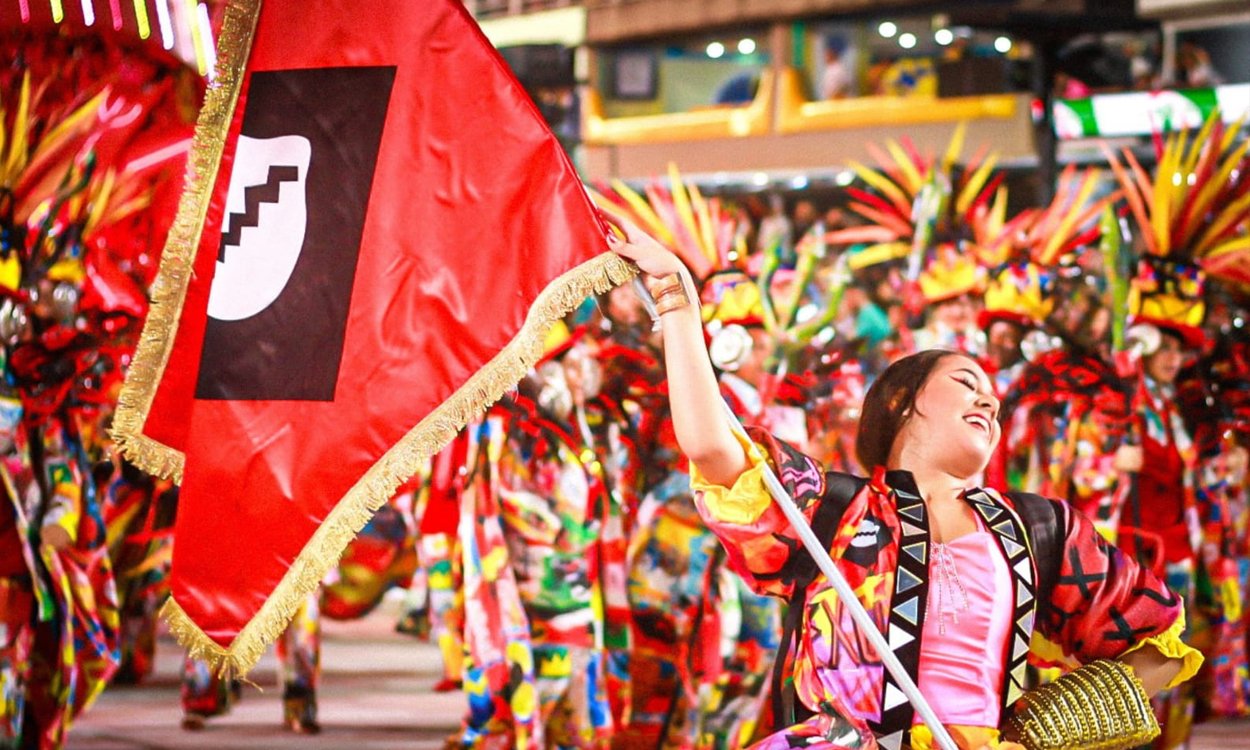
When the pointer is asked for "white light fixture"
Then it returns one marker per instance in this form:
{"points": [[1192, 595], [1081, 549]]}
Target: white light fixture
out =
{"points": [[746, 46], [943, 36], [887, 29], [759, 179], [799, 182], [907, 40], [210, 46], [715, 50], [166, 26], [1002, 44], [845, 177]]}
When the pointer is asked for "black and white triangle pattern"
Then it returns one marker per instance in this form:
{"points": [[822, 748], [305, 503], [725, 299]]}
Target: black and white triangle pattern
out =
{"points": [[1008, 531], [911, 592]]}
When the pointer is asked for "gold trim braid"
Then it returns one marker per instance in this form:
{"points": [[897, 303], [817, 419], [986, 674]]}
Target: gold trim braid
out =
{"points": [[403, 460], [169, 290]]}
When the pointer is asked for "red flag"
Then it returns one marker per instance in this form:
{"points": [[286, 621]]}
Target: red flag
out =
{"points": [[389, 229]]}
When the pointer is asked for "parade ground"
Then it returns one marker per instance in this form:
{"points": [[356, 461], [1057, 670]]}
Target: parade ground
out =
{"points": [[376, 694]]}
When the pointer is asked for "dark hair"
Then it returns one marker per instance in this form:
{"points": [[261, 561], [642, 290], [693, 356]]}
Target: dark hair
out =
{"points": [[889, 403]]}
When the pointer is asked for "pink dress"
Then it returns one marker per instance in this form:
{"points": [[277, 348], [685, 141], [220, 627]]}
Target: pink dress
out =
{"points": [[965, 631]]}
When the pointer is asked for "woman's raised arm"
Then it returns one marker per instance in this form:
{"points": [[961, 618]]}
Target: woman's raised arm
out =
{"points": [[694, 395]]}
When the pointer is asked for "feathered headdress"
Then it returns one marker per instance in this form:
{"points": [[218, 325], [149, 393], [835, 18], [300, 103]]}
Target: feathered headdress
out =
{"points": [[1192, 216], [1022, 258], [917, 205], [76, 182], [705, 233]]}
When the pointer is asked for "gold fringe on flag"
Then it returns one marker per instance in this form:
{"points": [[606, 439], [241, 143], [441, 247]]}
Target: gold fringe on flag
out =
{"points": [[169, 290], [403, 460]]}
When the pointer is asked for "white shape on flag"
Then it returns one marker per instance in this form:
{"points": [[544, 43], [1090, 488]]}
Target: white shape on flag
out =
{"points": [[255, 272]]}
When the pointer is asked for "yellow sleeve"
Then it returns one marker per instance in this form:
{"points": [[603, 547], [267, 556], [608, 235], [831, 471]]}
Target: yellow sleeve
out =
{"points": [[1169, 644], [65, 509], [743, 503]]}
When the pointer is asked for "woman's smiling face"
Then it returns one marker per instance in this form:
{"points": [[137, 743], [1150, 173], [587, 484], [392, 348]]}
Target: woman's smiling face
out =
{"points": [[954, 424]]}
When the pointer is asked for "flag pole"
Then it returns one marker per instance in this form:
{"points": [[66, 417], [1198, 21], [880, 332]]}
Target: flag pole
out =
{"points": [[823, 561]]}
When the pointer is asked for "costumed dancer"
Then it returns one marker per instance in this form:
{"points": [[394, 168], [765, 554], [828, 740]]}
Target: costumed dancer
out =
{"points": [[74, 649], [1014, 306], [951, 286], [76, 244], [499, 667], [1159, 522], [676, 666], [749, 624], [671, 557], [1218, 400], [554, 505], [942, 566], [617, 418], [438, 555], [1019, 302], [1186, 227], [381, 557]]}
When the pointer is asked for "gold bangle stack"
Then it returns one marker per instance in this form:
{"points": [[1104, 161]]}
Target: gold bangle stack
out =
{"points": [[669, 293], [1101, 706]]}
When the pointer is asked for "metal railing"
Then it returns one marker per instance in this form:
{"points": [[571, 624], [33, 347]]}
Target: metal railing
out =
{"points": [[496, 8]]}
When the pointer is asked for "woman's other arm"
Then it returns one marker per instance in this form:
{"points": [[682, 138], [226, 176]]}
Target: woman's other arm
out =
{"points": [[1155, 670]]}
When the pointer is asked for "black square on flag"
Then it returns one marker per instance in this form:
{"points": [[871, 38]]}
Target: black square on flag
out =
{"points": [[290, 234]]}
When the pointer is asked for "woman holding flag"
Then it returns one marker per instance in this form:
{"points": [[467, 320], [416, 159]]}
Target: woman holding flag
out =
{"points": [[957, 578]]}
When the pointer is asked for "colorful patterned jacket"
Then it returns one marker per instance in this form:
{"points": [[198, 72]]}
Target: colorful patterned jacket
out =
{"points": [[1102, 605]]}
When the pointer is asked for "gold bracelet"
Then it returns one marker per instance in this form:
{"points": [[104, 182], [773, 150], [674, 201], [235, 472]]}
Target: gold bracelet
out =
{"points": [[658, 287], [671, 300]]}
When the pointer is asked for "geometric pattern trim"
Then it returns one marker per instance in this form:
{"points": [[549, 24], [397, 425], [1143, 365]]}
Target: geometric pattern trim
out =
{"points": [[1012, 540], [907, 610]]}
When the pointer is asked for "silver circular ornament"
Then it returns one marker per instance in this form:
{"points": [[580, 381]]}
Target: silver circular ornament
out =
{"points": [[731, 347]]}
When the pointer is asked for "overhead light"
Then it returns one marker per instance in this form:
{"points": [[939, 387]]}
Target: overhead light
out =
{"points": [[887, 29], [799, 182], [845, 177], [943, 36], [1002, 44], [907, 41], [715, 50], [746, 46], [759, 179]]}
